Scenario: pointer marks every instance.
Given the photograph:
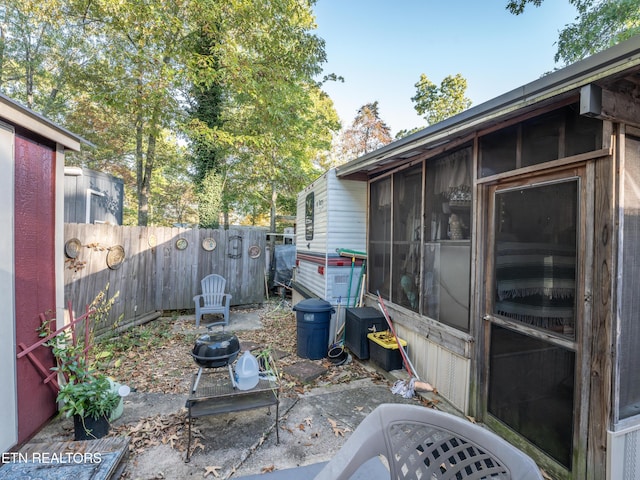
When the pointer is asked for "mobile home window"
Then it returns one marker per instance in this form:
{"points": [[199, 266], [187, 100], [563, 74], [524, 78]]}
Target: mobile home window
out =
{"points": [[308, 216]]}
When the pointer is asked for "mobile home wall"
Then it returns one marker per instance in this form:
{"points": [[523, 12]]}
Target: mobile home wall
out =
{"points": [[331, 215]]}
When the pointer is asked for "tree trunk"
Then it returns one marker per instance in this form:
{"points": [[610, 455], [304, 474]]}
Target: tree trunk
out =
{"points": [[274, 197], [143, 203], [145, 165], [145, 191]]}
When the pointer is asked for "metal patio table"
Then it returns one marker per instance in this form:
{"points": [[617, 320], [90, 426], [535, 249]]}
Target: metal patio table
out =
{"points": [[214, 392]]}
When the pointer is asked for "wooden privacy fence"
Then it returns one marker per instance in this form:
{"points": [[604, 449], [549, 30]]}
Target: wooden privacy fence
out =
{"points": [[150, 269]]}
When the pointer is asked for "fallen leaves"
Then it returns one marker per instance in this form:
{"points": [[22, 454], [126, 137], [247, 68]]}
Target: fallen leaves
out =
{"points": [[154, 431], [212, 471], [307, 423], [337, 431], [155, 358]]}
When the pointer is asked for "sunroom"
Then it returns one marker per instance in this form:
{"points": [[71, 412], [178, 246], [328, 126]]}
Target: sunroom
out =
{"points": [[504, 241]]}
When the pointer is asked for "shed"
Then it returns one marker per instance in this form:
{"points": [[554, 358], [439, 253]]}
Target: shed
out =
{"points": [[331, 224], [32, 151], [539, 189], [92, 197]]}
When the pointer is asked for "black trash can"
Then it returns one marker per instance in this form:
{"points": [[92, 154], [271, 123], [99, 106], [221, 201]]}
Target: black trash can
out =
{"points": [[313, 318]]}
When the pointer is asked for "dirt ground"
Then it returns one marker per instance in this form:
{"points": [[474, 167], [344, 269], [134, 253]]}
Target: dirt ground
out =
{"points": [[154, 359], [316, 415]]}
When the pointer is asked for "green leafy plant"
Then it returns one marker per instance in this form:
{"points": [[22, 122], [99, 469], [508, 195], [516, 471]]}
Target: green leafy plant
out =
{"points": [[84, 392], [267, 364], [70, 359], [92, 397]]}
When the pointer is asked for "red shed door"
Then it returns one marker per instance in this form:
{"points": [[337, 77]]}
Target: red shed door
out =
{"points": [[35, 284]]}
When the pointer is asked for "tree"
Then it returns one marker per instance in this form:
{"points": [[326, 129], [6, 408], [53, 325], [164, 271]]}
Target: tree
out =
{"points": [[283, 136], [39, 46], [599, 25], [438, 103], [173, 199], [367, 133], [275, 119], [123, 75], [206, 110]]}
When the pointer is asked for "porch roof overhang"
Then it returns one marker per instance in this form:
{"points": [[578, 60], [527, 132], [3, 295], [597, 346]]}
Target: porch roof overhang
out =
{"points": [[18, 115], [605, 69]]}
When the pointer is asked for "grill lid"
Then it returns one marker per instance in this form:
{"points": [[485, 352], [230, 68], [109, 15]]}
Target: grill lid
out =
{"points": [[215, 349]]}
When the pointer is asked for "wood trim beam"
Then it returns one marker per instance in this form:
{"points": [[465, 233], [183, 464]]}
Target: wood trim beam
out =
{"points": [[607, 105]]}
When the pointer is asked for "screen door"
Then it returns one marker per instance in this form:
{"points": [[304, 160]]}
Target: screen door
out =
{"points": [[531, 311]]}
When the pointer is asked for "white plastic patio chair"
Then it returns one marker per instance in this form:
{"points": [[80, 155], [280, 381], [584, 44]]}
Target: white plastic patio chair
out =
{"points": [[420, 442], [213, 299]]}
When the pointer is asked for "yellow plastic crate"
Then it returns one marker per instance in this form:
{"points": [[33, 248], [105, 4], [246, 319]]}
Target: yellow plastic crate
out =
{"points": [[386, 340], [383, 350]]}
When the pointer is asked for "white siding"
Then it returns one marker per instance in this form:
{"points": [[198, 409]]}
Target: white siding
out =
{"points": [[307, 275], [347, 214], [446, 371], [623, 454], [339, 222]]}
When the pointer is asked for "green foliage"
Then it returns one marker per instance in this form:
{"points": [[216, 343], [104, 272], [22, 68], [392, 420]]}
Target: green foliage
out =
{"points": [[71, 362], [406, 133], [210, 200], [92, 397], [238, 78], [597, 28], [600, 24], [84, 391], [439, 103], [109, 351], [35, 47], [276, 121], [101, 306], [268, 366], [517, 6], [173, 198]]}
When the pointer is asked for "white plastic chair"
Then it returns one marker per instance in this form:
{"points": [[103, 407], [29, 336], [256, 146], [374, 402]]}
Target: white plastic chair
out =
{"points": [[213, 299], [420, 442]]}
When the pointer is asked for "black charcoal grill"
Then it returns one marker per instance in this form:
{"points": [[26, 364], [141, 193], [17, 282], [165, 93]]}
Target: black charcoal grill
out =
{"points": [[215, 350]]}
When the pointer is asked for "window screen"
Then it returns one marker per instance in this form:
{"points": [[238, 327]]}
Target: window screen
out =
{"points": [[629, 354], [379, 255]]}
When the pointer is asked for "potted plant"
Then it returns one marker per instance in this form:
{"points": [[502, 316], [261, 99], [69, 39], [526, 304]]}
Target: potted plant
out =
{"points": [[91, 402], [86, 395]]}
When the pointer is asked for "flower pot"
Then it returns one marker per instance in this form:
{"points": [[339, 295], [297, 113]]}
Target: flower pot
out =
{"points": [[89, 428]]}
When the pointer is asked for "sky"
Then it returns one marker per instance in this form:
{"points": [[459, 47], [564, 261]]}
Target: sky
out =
{"points": [[381, 47]]}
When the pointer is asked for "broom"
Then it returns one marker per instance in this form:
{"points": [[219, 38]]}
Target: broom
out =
{"points": [[401, 387]]}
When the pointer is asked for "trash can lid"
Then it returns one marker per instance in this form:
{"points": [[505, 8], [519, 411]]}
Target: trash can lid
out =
{"points": [[313, 305]]}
